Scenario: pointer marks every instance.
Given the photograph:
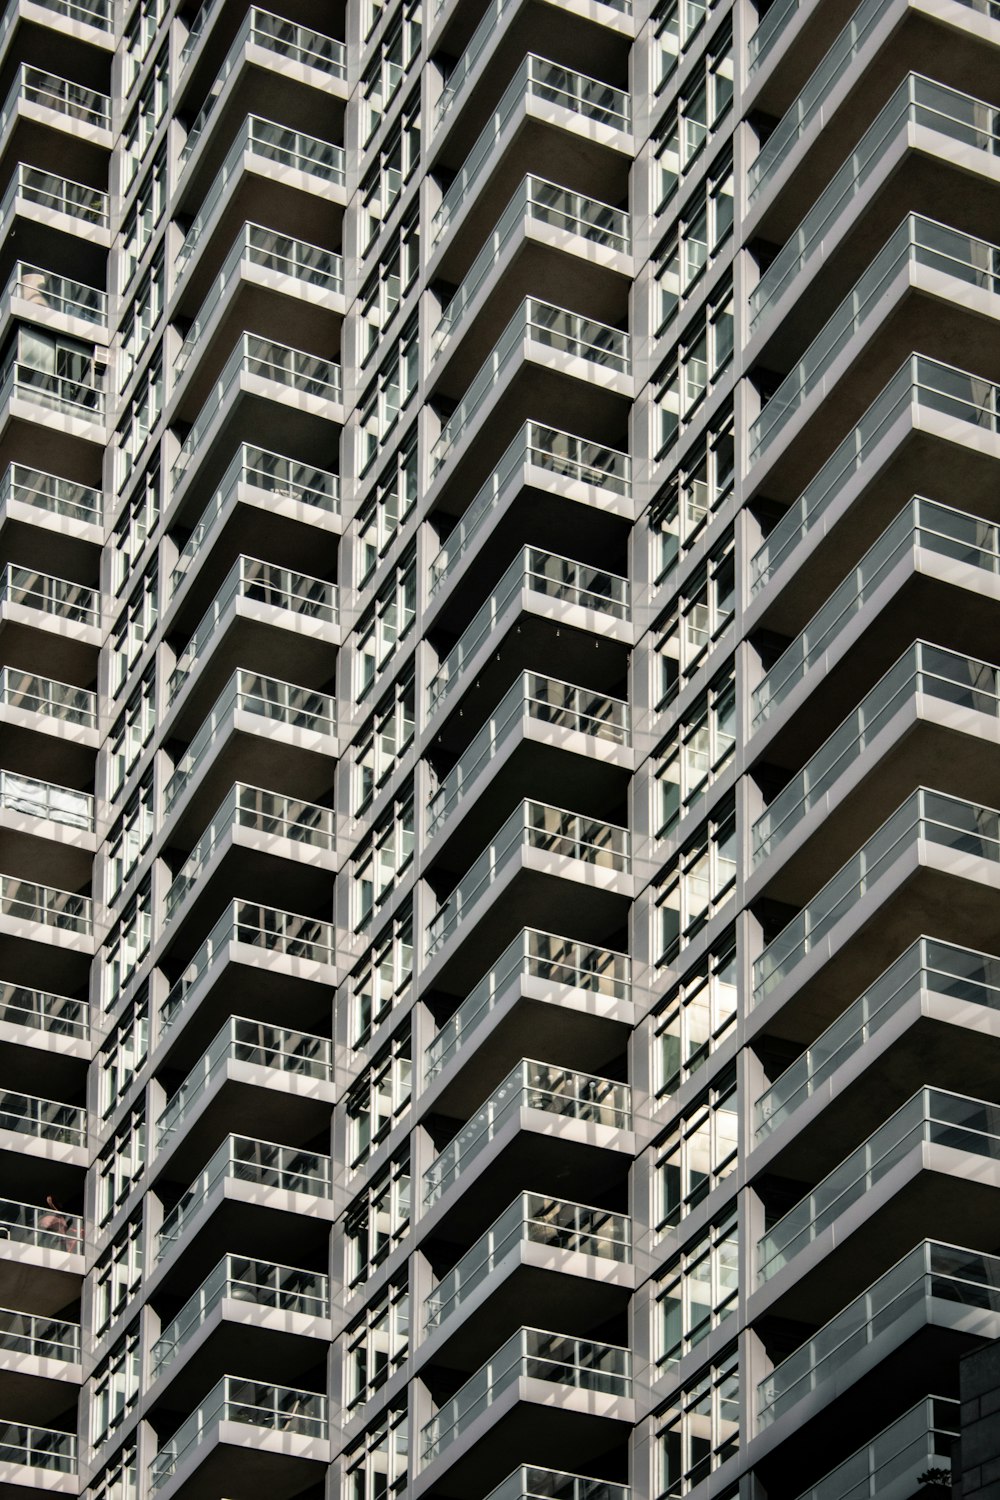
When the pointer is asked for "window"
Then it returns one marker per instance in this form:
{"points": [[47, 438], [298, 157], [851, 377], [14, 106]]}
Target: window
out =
{"points": [[120, 1480], [140, 319], [386, 622], [695, 491], [387, 508], [141, 220], [130, 734], [141, 415], [703, 610], [123, 1054], [697, 1292], [676, 23], [115, 1386], [375, 1468], [389, 393], [381, 80], [384, 982], [698, 1015], [392, 169], [138, 38], [126, 947], [698, 1154], [381, 863], [377, 1344], [699, 882], [383, 745], [133, 629], [140, 126], [117, 1275], [700, 359], [379, 1098], [695, 754], [120, 1165], [377, 1220], [700, 1429], [133, 528]]}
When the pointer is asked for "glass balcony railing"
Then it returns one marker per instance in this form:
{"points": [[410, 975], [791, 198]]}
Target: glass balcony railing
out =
{"points": [[42, 1338], [48, 91], [917, 242], [918, 101], [51, 292], [921, 524], [277, 144], [555, 329], [29, 693], [539, 572], [26, 901], [56, 1015], [928, 817], [42, 1448], [921, 1439], [530, 1085], [544, 448], [250, 925], [537, 699], [536, 78], [930, 1277], [41, 799], [259, 583], [240, 1159], [47, 492], [264, 698], [57, 597], [532, 825], [931, 1116], [529, 1483], [922, 671], [96, 13], [264, 250], [269, 1408], [30, 185], [277, 476], [82, 399], [287, 40], [45, 1228], [542, 202], [254, 1042], [533, 955], [256, 358], [920, 385], [262, 811], [927, 965], [44, 1119], [239, 1279], [534, 1355], [573, 1227]]}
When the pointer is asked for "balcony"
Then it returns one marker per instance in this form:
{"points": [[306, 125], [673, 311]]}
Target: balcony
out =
{"points": [[542, 1255], [58, 302], [565, 343], [256, 1174], [529, 1483], [932, 984], [260, 370], [79, 117], [546, 464], [933, 710], [940, 1288], [545, 720], [42, 1136], [584, 1386], [595, 1115], [926, 127], [38, 1458], [590, 598], [47, 205], [593, 118], [892, 1463], [312, 182], [281, 956], [929, 286], [39, 1356], [906, 873], [48, 521], [70, 409], [275, 613], [549, 848], [246, 1432], [299, 1299], [270, 1077], [927, 559], [289, 42], [53, 1017], [46, 934], [49, 831], [252, 714], [48, 726], [256, 826], [541, 218], [529, 990], [256, 484]]}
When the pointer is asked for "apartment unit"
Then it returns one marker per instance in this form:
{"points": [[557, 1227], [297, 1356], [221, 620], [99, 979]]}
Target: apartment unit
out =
{"points": [[499, 711]]}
